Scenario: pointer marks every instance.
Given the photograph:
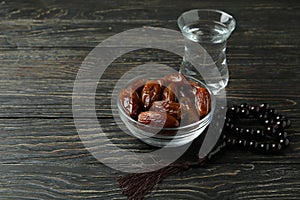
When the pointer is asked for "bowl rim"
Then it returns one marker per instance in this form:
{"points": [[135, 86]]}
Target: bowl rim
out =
{"points": [[204, 119]]}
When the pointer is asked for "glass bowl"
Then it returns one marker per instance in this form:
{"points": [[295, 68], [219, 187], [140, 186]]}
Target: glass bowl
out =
{"points": [[170, 137]]}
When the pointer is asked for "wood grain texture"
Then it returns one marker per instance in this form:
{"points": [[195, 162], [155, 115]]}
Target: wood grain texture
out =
{"points": [[232, 181], [42, 45], [34, 140], [77, 33]]}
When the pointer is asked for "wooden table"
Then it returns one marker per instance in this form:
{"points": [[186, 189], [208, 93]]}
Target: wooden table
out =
{"points": [[42, 46]]}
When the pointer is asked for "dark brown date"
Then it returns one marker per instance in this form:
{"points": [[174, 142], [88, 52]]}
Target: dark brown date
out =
{"points": [[189, 90], [161, 82], [170, 92], [194, 86], [138, 85], [131, 102], [170, 107], [150, 93], [202, 101], [189, 114], [158, 119], [177, 78]]}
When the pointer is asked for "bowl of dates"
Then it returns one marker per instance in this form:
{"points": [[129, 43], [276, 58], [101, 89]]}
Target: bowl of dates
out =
{"points": [[169, 111]]}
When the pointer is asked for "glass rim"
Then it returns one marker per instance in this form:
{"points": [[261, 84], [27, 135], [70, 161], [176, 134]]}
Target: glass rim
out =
{"points": [[233, 21]]}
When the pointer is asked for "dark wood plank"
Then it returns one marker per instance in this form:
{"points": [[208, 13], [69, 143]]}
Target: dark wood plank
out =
{"points": [[31, 64], [39, 141], [232, 181], [52, 24], [66, 34], [133, 10]]}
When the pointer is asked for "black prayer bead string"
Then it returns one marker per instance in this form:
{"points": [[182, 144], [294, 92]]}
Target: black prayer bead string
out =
{"points": [[256, 145], [271, 138]]}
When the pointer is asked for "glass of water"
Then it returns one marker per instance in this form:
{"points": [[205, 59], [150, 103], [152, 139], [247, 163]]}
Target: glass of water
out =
{"points": [[210, 30]]}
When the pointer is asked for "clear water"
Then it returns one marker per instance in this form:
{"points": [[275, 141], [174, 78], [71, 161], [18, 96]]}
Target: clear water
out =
{"points": [[212, 37], [206, 31]]}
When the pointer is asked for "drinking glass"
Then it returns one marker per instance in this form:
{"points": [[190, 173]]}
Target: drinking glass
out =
{"points": [[210, 29]]}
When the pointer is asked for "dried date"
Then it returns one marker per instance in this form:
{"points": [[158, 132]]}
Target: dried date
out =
{"points": [[150, 93], [170, 93], [170, 107], [158, 119], [194, 87], [202, 101], [189, 114], [138, 85], [130, 102], [177, 78]]}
